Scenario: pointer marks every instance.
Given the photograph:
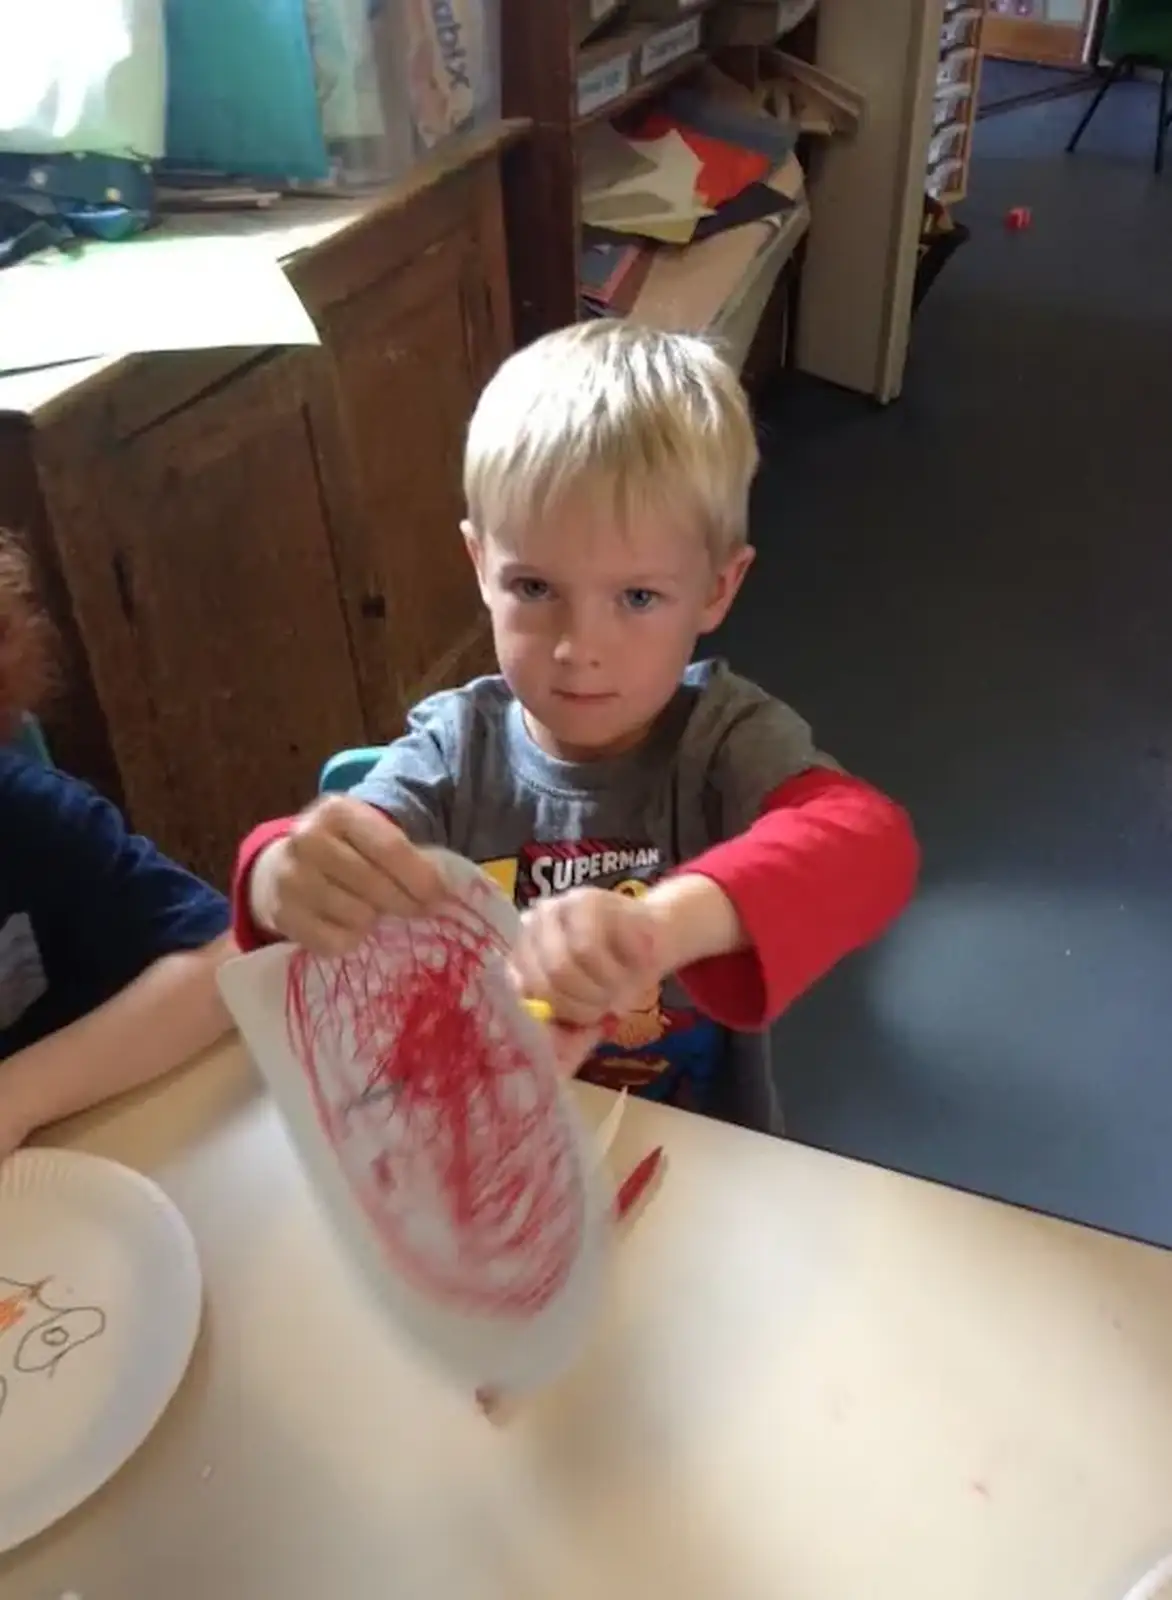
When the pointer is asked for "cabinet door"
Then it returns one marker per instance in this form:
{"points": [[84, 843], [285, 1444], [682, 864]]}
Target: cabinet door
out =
{"points": [[197, 548], [413, 345]]}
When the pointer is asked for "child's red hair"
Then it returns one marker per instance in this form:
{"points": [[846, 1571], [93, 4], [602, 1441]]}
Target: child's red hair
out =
{"points": [[26, 638]]}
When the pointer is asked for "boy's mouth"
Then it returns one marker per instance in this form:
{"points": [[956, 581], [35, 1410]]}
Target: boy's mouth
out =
{"points": [[573, 698]]}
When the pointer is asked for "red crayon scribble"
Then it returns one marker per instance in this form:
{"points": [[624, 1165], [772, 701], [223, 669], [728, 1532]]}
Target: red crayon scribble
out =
{"points": [[451, 1137]]}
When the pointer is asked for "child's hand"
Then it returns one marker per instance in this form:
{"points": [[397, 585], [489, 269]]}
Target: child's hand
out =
{"points": [[572, 1046], [591, 953], [343, 866]]}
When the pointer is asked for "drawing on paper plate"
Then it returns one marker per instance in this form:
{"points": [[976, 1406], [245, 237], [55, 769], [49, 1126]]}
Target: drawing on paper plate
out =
{"points": [[452, 1136], [36, 1335]]}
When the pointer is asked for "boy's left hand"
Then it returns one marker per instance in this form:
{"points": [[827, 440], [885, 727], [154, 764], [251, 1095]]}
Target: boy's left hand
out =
{"points": [[591, 953]]}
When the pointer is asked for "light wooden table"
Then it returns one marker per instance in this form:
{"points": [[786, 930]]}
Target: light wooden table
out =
{"points": [[813, 1380]]}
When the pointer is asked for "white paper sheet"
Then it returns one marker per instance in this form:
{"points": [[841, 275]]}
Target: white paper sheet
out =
{"points": [[168, 292]]}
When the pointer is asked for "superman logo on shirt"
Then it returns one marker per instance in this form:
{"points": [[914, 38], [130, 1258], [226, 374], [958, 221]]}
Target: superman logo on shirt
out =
{"points": [[663, 1048]]}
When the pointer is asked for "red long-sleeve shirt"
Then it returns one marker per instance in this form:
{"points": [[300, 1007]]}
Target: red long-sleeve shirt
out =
{"points": [[827, 865]]}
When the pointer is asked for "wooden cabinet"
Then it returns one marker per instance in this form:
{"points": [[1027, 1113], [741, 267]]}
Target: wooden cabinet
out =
{"points": [[254, 557], [416, 318], [197, 550]]}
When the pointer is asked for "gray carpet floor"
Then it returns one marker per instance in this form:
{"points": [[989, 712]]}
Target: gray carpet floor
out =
{"points": [[970, 595]]}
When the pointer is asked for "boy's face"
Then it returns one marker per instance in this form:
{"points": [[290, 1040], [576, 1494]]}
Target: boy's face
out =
{"points": [[594, 623]]}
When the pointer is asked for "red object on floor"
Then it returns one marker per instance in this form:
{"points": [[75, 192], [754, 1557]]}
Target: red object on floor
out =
{"points": [[1018, 219]]}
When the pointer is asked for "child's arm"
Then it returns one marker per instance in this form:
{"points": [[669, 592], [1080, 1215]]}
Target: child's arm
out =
{"points": [[748, 925], [169, 1013], [112, 956], [755, 921], [323, 878]]}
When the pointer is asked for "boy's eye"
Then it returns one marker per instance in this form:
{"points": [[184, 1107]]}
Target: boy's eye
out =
{"points": [[530, 588], [639, 599]]}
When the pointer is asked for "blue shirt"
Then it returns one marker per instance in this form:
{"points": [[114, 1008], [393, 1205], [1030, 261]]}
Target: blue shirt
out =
{"points": [[85, 905]]}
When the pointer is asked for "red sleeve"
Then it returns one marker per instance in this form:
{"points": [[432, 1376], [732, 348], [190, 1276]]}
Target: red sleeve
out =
{"points": [[245, 931], [828, 864]]}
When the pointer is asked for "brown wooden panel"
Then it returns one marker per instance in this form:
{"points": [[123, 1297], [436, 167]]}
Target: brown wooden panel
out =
{"points": [[539, 60], [199, 562], [543, 226], [380, 244], [1030, 39], [412, 353], [540, 176], [406, 371]]}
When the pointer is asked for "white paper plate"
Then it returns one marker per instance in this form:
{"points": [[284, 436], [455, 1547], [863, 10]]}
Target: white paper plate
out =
{"points": [[100, 1301], [1154, 1585], [362, 1152]]}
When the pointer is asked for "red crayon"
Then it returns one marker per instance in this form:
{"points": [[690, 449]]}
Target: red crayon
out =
{"points": [[635, 1185]]}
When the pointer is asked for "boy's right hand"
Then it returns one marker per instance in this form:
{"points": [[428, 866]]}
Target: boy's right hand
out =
{"points": [[343, 865]]}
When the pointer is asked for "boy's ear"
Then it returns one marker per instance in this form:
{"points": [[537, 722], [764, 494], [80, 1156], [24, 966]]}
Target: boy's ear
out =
{"points": [[726, 584], [474, 545]]}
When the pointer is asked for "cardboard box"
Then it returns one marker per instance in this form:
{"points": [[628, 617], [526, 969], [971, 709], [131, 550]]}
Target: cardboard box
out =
{"points": [[667, 10], [607, 69], [737, 22], [663, 47], [591, 15]]}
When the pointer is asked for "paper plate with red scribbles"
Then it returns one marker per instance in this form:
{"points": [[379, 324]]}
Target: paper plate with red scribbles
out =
{"points": [[427, 1109]]}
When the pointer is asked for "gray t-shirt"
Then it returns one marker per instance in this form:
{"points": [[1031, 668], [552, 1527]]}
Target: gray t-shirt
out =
{"points": [[467, 775]]}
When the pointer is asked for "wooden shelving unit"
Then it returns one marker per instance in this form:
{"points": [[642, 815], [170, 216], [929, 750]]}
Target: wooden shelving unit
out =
{"points": [[962, 41], [541, 73], [858, 263]]}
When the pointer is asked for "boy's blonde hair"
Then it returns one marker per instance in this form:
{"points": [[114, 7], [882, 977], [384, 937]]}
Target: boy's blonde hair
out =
{"points": [[654, 420]]}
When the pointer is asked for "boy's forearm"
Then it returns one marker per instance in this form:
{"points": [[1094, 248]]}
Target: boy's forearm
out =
{"points": [[696, 920], [169, 1013], [828, 864]]}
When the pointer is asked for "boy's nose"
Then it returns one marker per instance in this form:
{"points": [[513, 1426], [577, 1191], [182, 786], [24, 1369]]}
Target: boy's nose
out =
{"points": [[578, 642], [572, 650]]}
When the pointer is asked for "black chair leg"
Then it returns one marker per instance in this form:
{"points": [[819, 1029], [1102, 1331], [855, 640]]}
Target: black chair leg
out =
{"points": [[1162, 124], [1117, 69]]}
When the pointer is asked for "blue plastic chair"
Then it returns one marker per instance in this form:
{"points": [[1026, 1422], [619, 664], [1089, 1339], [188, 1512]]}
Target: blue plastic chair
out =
{"points": [[348, 768], [30, 741]]}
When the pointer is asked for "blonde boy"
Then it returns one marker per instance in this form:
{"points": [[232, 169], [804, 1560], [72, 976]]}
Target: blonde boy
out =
{"points": [[607, 478]]}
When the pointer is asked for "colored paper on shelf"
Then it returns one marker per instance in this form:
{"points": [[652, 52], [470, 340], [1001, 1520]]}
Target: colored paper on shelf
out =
{"points": [[748, 128], [611, 270], [658, 198], [690, 290], [606, 158], [753, 204], [725, 168]]}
